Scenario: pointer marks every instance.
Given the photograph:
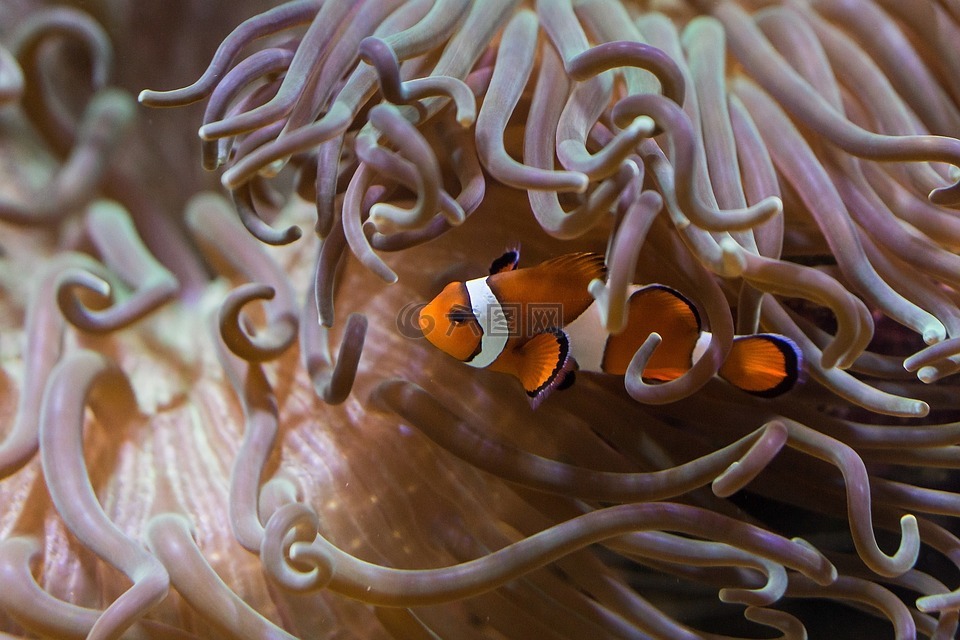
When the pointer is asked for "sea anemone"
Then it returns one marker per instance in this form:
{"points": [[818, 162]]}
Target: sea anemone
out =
{"points": [[219, 425]]}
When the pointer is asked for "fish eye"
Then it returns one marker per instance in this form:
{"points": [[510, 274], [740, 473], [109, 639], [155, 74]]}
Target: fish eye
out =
{"points": [[459, 315]]}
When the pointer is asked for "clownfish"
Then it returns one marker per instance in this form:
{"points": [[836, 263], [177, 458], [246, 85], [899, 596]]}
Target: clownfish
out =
{"points": [[540, 324]]}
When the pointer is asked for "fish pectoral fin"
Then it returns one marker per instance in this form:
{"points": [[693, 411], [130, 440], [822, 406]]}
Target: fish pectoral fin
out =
{"points": [[764, 364], [544, 362], [507, 262]]}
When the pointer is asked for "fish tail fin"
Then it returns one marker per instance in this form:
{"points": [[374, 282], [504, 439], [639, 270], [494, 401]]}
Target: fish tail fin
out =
{"points": [[765, 364], [544, 364]]}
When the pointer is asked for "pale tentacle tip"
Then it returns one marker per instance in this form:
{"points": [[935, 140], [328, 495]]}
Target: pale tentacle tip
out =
{"points": [[912, 363], [937, 602], [208, 132], [643, 126], [455, 215], [948, 196], [934, 332], [230, 179], [832, 573], [629, 169], [722, 486], [775, 203], [927, 375], [89, 281], [598, 289], [273, 169], [144, 96], [323, 566], [579, 182], [731, 258], [906, 556]]}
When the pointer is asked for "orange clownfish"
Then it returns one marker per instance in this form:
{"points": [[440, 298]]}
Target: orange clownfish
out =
{"points": [[540, 324]]}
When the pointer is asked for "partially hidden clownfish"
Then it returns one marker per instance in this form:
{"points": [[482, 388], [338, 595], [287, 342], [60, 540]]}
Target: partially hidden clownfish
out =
{"points": [[540, 324]]}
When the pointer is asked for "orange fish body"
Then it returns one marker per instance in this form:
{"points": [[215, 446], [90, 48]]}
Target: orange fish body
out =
{"points": [[539, 324]]}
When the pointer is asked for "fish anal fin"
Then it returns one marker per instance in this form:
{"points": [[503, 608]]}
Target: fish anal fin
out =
{"points": [[543, 364], [507, 262], [764, 364], [656, 308]]}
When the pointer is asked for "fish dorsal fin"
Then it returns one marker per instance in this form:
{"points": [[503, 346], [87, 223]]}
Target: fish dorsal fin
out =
{"points": [[764, 364], [507, 262], [656, 308], [544, 363], [584, 265]]}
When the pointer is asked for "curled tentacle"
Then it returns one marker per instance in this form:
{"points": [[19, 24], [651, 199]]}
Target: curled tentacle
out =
{"points": [[377, 53], [515, 60], [840, 382], [286, 16], [414, 148], [586, 102], [703, 370], [795, 158], [40, 612], [622, 261], [254, 348], [332, 382], [430, 31], [247, 212], [313, 48], [854, 324], [171, 539], [862, 591], [262, 63], [31, 45], [393, 166], [672, 119], [455, 434], [353, 226], [745, 470], [293, 523], [664, 547], [216, 227], [260, 431], [115, 237], [384, 586], [42, 351], [61, 452], [754, 51], [857, 484], [75, 184], [621, 53]]}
